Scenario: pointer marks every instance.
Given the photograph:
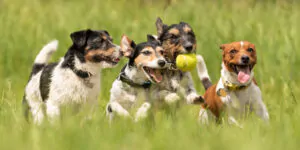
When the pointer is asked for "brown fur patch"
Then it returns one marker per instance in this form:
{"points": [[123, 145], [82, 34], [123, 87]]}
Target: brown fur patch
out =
{"points": [[187, 29], [213, 101], [102, 53], [142, 59], [174, 31], [170, 50]]}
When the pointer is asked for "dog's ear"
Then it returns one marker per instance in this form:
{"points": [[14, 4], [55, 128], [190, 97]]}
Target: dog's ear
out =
{"points": [[160, 26], [151, 38], [79, 38], [222, 47], [127, 46]]}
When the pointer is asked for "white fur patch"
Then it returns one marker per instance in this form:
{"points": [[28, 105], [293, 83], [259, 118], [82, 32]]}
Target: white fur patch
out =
{"points": [[242, 44]]}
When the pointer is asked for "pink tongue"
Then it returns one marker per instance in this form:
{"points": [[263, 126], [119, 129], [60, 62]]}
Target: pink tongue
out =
{"points": [[243, 77], [156, 75]]}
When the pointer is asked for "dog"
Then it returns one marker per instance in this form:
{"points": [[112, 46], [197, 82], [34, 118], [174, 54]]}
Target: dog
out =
{"points": [[75, 79], [236, 93], [144, 69], [179, 39]]}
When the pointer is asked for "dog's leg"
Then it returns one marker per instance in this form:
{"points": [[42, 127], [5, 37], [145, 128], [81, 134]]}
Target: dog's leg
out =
{"points": [[259, 106], [142, 111], [52, 110], [203, 116], [233, 121], [117, 108], [37, 112], [191, 96], [169, 97]]}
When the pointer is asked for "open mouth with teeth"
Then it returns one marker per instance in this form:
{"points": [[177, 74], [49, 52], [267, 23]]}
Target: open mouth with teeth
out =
{"points": [[154, 75], [243, 72]]}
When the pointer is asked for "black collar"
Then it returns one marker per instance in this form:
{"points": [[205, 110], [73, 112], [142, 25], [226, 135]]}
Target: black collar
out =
{"points": [[125, 79], [81, 74]]}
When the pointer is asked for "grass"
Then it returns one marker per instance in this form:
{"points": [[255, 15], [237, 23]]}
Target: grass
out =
{"points": [[25, 26]]}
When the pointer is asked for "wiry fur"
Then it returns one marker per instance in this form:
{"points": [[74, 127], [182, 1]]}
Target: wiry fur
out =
{"points": [[74, 79], [123, 96], [179, 39]]}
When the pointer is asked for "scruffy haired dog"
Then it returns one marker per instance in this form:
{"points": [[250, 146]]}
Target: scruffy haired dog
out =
{"points": [[179, 39], [144, 68], [75, 79], [236, 93]]}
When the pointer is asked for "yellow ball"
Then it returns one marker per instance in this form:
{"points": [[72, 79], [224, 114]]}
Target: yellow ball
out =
{"points": [[186, 62]]}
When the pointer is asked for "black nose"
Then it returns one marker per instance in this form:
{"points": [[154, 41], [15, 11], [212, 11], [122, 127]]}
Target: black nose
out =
{"points": [[161, 63], [189, 48], [245, 59]]}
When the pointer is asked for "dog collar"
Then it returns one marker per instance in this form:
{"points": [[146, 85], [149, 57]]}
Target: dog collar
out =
{"points": [[125, 79], [82, 74], [234, 87]]}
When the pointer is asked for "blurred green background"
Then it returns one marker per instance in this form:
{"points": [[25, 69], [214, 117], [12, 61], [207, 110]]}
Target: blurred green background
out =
{"points": [[272, 25]]}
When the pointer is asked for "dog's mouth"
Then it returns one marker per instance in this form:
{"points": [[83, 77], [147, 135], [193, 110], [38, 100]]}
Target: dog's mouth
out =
{"points": [[99, 58], [243, 72], [154, 75]]}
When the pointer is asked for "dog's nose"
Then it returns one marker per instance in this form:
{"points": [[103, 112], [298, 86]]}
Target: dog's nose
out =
{"points": [[189, 47], [161, 63], [245, 59]]}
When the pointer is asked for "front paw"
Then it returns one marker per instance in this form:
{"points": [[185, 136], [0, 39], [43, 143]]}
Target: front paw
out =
{"points": [[172, 98], [198, 100]]}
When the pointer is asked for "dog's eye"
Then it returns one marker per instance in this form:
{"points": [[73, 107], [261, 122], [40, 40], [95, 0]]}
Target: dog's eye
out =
{"points": [[174, 36], [161, 52], [250, 50], [146, 52], [233, 51]]}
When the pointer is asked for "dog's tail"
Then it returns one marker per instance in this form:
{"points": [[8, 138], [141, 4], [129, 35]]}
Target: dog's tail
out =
{"points": [[45, 54], [202, 72], [43, 57]]}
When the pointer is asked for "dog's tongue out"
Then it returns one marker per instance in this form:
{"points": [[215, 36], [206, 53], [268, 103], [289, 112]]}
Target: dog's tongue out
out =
{"points": [[244, 74], [156, 75]]}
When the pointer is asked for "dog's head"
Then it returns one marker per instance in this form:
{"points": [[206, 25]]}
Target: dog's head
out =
{"points": [[146, 57], [96, 47], [176, 39], [239, 58]]}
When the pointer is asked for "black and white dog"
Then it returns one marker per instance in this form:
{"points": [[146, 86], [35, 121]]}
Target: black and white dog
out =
{"points": [[75, 79], [145, 66]]}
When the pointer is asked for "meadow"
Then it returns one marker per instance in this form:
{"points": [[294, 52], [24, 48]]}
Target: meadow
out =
{"points": [[273, 25]]}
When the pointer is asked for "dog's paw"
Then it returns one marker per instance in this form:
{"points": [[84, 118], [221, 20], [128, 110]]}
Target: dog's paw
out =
{"points": [[198, 100], [142, 112], [172, 98], [194, 98]]}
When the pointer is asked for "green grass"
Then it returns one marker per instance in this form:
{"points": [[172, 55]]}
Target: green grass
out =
{"points": [[25, 26]]}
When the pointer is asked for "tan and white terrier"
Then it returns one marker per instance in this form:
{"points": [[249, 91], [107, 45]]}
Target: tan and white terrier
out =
{"points": [[236, 93]]}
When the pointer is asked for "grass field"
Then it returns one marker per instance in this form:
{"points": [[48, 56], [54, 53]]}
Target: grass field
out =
{"points": [[274, 26]]}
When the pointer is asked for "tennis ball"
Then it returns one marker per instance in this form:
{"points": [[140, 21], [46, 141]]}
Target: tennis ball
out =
{"points": [[186, 62]]}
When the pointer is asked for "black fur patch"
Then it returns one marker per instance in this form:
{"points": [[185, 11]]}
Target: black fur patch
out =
{"points": [[36, 68], [26, 108], [45, 80], [206, 83]]}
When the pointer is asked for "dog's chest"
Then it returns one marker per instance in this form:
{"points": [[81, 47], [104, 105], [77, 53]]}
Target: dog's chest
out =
{"points": [[66, 87], [237, 101], [172, 80]]}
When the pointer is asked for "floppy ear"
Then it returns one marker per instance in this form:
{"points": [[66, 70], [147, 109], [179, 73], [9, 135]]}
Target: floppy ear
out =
{"points": [[151, 38], [160, 27], [222, 47], [79, 38], [127, 46]]}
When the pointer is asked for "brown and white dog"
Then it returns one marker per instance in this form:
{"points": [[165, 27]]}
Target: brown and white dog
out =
{"points": [[236, 93]]}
